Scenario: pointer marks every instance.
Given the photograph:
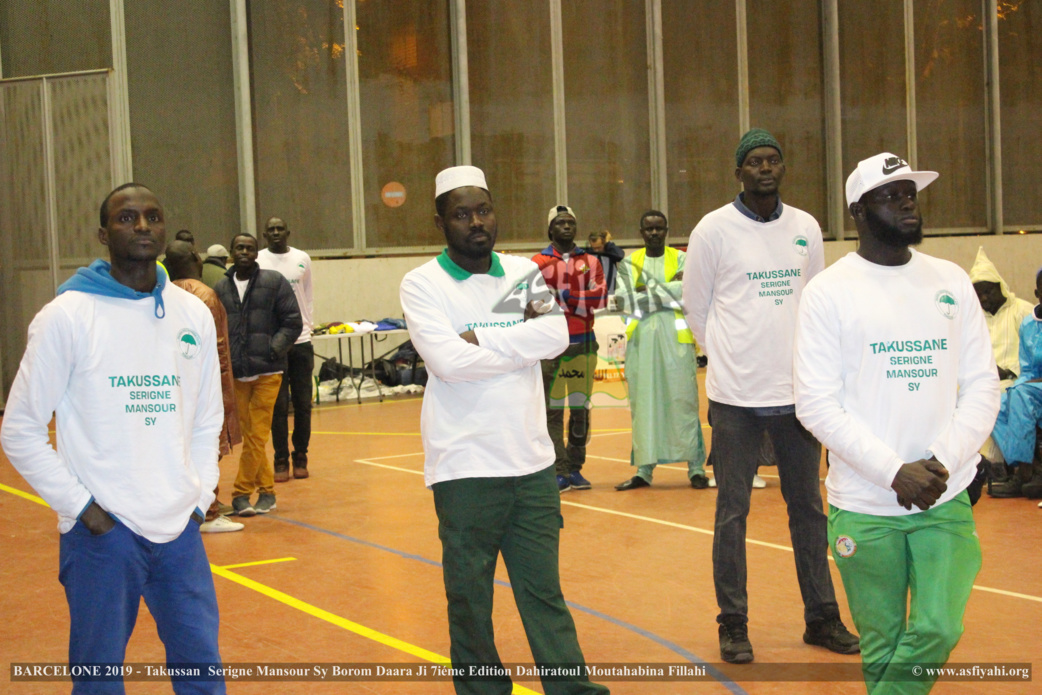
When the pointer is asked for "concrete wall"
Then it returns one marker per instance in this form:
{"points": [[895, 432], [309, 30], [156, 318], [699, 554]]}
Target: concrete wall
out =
{"points": [[367, 288]]}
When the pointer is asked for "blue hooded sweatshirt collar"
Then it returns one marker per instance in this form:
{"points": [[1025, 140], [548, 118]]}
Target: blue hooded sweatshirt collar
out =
{"points": [[97, 279]]}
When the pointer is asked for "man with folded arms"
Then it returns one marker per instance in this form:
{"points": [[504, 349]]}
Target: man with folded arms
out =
{"points": [[482, 321]]}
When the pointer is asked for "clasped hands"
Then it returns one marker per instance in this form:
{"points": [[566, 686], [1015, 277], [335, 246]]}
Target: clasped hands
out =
{"points": [[920, 483]]}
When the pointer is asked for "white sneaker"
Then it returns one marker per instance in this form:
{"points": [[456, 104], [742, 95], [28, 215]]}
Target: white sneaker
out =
{"points": [[758, 483], [221, 524]]}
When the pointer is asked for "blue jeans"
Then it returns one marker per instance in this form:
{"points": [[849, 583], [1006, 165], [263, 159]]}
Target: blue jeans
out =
{"points": [[105, 577], [737, 437]]}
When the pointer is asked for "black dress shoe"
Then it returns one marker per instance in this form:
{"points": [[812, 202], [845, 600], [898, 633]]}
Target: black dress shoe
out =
{"points": [[633, 483], [1013, 487], [699, 482]]}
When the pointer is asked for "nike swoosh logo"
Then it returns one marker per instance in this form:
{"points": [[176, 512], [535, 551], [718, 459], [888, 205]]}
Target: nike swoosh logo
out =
{"points": [[887, 170]]}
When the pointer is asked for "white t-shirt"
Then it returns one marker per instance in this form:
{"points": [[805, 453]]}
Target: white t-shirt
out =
{"points": [[295, 266], [240, 286], [893, 365], [742, 285], [483, 411]]}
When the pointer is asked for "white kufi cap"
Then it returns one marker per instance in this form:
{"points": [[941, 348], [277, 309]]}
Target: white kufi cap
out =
{"points": [[457, 177]]}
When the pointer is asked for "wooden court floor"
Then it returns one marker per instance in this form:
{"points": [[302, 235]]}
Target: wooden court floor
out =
{"points": [[347, 571]]}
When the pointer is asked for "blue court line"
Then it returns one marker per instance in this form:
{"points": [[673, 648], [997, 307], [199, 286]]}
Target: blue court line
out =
{"points": [[675, 648]]}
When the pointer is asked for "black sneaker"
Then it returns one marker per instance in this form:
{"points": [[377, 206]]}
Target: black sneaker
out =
{"points": [[1032, 489], [1011, 488], [699, 482], [735, 647], [832, 634]]}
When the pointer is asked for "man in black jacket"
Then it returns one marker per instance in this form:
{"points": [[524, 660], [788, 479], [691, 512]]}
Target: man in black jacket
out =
{"points": [[263, 323], [609, 255]]}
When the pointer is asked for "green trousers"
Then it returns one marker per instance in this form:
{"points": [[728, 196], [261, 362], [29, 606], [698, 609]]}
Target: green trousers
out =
{"points": [[478, 518], [933, 557]]}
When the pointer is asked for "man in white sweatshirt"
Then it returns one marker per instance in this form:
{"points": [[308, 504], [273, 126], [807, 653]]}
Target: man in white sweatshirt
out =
{"points": [[482, 321], [295, 266], [895, 375], [128, 364], [747, 264]]}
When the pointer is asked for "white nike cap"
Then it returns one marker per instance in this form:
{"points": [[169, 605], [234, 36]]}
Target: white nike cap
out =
{"points": [[880, 170]]}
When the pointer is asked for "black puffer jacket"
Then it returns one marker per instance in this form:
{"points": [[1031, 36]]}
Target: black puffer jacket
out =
{"points": [[264, 325]]}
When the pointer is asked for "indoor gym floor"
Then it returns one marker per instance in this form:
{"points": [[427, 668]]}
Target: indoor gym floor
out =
{"points": [[347, 571]]}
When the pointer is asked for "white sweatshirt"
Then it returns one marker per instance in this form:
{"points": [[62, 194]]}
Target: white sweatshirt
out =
{"points": [[742, 284], [295, 266], [138, 410], [483, 412], [893, 365]]}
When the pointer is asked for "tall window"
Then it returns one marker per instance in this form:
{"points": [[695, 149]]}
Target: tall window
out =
{"points": [[950, 125], [512, 111], [182, 113], [299, 85], [408, 122], [606, 105], [700, 64], [872, 82], [1020, 36], [785, 94]]}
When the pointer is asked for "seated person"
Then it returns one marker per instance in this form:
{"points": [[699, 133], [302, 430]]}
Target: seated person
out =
{"points": [[1021, 411], [1003, 312]]}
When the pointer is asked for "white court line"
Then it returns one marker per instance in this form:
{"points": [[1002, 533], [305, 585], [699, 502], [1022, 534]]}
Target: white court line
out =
{"points": [[670, 466], [391, 468], [394, 456], [685, 527]]}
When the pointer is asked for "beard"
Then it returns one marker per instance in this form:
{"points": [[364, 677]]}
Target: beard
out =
{"points": [[473, 251], [891, 235]]}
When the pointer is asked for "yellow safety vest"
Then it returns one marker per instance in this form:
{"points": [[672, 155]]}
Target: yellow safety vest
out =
{"points": [[684, 334]]}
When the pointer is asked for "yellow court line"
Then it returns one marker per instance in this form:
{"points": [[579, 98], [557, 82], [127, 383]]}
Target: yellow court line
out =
{"points": [[374, 434], [258, 562], [313, 611], [27, 495], [350, 626]]}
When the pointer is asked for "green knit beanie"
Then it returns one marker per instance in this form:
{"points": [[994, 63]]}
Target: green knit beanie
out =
{"points": [[757, 137]]}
